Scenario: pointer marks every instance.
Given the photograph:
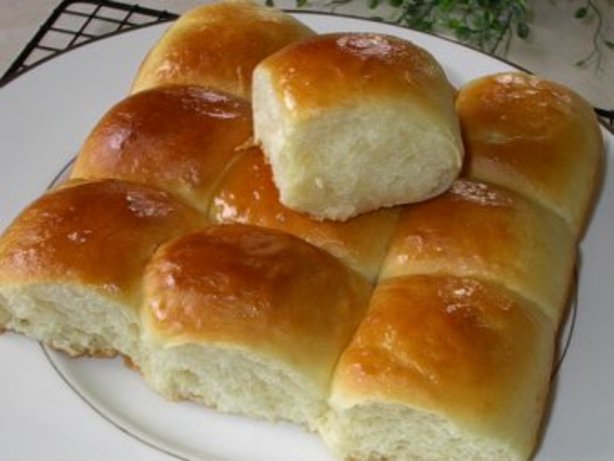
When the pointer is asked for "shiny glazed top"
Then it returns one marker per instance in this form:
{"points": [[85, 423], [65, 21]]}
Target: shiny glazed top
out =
{"points": [[256, 288], [470, 350], [218, 45], [99, 234], [534, 136], [488, 232], [178, 138], [325, 70], [248, 195]]}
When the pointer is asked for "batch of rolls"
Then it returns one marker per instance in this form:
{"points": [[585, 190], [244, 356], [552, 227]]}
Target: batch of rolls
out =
{"points": [[344, 241]]}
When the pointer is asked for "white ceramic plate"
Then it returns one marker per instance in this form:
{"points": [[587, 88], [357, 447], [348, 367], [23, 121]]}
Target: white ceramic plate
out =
{"points": [[55, 408]]}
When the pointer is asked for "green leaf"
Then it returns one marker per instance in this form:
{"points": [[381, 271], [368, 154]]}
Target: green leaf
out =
{"points": [[488, 17], [269, 3], [581, 13], [478, 22], [373, 4], [301, 3], [395, 3], [453, 23], [581, 63], [447, 5], [609, 44], [497, 25], [462, 33], [522, 30]]}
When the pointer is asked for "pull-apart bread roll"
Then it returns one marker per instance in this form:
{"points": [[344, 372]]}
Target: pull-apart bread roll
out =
{"points": [[218, 45], [534, 136], [248, 320], [177, 138], [355, 122], [247, 194], [491, 233], [442, 368], [71, 264]]}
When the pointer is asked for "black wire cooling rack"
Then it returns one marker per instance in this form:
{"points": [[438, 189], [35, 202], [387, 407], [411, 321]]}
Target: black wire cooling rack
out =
{"points": [[77, 22]]}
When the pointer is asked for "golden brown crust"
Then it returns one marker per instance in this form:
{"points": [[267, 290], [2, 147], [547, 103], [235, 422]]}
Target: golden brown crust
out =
{"points": [[178, 138], [468, 350], [130, 363], [99, 234], [534, 136], [490, 233], [323, 71], [248, 195], [218, 46], [258, 289]]}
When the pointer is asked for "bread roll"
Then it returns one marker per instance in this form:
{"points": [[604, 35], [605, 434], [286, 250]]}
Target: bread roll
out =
{"points": [[442, 368], [177, 138], [534, 136], [248, 320], [490, 233], [218, 45], [247, 194], [355, 122], [71, 264]]}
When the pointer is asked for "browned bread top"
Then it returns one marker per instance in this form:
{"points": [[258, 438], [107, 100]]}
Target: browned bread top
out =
{"points": [[98, 234], [326, 70], [178, 138], [459, 349], [247, 194], [534, 136], [218, 45], [255, 288], [491, 233]]}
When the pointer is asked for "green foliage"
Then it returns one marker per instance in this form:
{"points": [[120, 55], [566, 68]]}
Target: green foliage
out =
{"points": [[581, 12], [485, 24]]}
